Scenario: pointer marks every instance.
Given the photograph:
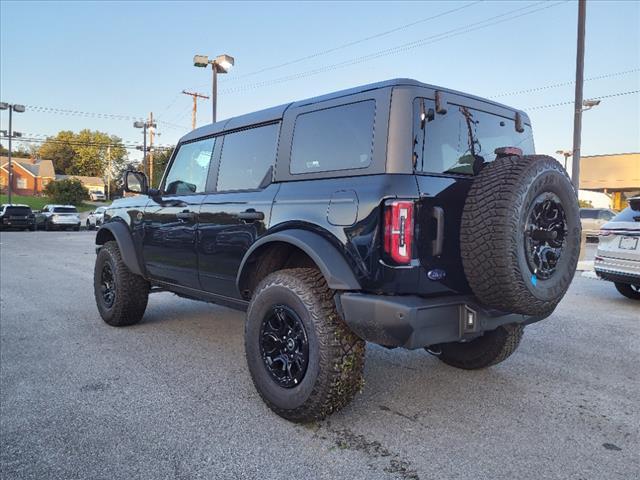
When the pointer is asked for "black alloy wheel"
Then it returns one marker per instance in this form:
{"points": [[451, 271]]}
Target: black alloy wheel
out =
{"points": [[545, 234], [284, 346], [108, 285]]}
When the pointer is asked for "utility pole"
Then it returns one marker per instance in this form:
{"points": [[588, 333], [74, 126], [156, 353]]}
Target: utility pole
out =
{"points": [[152, 132], [577, 118], [195, 96], [109, 172]]}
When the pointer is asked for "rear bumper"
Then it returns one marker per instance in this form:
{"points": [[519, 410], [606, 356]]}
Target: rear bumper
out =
{"points": [[415, 322], [617, 269]]}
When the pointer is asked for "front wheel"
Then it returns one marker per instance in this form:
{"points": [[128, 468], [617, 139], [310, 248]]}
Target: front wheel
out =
{"points": [[491, 348], [303, 359], [121, 296], [629, 291], [89, 226]]}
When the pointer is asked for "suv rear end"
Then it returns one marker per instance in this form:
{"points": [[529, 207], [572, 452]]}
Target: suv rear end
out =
{"points": [[618, 256], [17, 217]]}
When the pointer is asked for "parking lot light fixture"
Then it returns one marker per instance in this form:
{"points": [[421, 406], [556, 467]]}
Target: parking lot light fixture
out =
{"points": [[566, 154], [18, 109], [589, 104], [221, 64]]}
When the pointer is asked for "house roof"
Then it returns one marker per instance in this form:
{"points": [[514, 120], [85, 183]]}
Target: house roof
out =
{"points": [[84, 179], [37, 167]]}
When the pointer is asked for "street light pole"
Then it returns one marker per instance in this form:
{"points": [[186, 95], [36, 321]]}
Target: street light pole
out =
{"points": [[578, 107], [220, 64], [10, 163], [214, 92], [12, 108]]}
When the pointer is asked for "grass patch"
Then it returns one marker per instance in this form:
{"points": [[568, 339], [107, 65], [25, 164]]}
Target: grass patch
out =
{"points": [[36, 203]]}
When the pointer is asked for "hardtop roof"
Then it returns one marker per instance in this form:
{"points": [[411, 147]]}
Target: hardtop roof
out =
{"points": [[276, 113]]}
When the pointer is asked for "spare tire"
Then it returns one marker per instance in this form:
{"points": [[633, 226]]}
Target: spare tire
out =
{"points": [[520, 234]]}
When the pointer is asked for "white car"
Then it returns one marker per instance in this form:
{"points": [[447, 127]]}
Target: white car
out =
{"points": [[95, 218], [618, 256], [97, 196]]}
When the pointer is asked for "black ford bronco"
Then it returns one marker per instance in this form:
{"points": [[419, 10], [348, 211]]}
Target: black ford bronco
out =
{"points": [[397, 213]]}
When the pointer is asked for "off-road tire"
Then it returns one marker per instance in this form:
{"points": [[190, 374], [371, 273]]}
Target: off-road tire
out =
{"points": [[491, 348], [492, 234], [628, 290], [131, 290], [336, 354]]}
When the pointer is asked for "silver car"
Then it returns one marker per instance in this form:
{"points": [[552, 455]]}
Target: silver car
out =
{"points": [[618, 256], [58, 217], [593, 219], [95, 218]]}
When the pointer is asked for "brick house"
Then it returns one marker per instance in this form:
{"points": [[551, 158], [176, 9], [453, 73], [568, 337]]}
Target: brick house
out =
{"points": [[30, 176]]}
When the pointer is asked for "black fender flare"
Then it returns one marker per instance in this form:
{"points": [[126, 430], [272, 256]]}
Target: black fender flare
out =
{"points": [[122, 235], [327, 257]]}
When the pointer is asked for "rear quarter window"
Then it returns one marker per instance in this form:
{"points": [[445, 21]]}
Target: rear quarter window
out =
{"points": [[335, 138]]}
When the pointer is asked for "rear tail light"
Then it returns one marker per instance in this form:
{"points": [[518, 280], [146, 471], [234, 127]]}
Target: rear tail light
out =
{"points": [[398, 230], [604, 233]]}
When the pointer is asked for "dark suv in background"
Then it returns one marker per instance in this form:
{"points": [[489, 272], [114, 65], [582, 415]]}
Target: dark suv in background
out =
{"points": [[16, 216], [397, 213]]}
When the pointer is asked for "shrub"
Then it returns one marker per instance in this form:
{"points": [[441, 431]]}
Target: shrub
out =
{"points": [[68, 191]]}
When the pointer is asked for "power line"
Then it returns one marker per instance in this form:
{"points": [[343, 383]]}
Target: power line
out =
{"points": [[63, 111], [570, 102], [356, 42], [491, 21], [564, 84]]}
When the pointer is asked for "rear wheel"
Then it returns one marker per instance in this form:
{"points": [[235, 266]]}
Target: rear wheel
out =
{"points": [[491, 348], [121, 296], [628, 290], [304, 361]]}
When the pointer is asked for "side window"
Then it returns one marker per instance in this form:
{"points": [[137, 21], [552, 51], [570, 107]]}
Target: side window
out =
{"points": [[188, 172], [336, 138], [246, 157], [452, 142]]}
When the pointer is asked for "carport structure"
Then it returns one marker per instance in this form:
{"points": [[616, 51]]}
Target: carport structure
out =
{"points": [[617, 174]]}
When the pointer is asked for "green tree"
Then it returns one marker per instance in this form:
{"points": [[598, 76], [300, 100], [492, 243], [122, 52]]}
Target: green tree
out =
{"points": [[160, 160], [84, 153], [585, 204], [20, 152], [68, 191]]}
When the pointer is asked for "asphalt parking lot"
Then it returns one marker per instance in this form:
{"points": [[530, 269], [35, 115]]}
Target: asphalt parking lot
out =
{"points": [[172, 398]]}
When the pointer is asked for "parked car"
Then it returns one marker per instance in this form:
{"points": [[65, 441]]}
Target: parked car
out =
{"points": [[17, 216], [618, 256], [97, 196], [593, 218], [397, 213], [58, 217], [95, 218]]}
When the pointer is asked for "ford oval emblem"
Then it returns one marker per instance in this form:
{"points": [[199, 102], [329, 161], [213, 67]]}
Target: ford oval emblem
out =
{"points": [[436, 274]]}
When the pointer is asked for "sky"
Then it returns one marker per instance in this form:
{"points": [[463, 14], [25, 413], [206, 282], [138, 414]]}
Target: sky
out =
{"points": [[126, 59]]}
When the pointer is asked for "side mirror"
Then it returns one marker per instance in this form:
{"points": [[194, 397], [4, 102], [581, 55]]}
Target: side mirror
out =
{"points": [[135, 182]]}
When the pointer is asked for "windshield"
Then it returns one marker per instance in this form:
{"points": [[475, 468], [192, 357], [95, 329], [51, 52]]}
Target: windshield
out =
{"points": [[462, 139], [22, 211], [65, 210]]}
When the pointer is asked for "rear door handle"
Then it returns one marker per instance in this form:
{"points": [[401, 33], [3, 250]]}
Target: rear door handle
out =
{"points": [[251, 215], [186, 215], [437, 244]]}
